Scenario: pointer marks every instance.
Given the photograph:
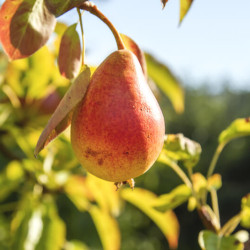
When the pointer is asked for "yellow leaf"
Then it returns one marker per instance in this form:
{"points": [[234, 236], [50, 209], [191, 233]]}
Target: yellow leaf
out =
{"points": [[107, 228], [184, 8], [167, 222]]}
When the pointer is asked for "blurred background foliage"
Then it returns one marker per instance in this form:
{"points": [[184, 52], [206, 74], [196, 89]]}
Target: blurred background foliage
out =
{"points": [[44, 201]]}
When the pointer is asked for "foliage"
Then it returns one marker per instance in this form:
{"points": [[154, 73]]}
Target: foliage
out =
{"points": [[32, 88]]}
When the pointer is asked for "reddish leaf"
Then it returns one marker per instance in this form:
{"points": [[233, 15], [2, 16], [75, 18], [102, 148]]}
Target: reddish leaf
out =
{"points": [[25, 26], [164, 3], [132, 46], [62, 115], [69, 60]]}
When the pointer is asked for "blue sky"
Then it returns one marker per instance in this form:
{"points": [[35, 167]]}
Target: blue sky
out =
{"points": [[213, 42]]}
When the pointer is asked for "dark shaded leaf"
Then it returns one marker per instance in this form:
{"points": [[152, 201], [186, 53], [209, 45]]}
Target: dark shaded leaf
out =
{"points": [[69, 59], [25, 26], [58, 7]]}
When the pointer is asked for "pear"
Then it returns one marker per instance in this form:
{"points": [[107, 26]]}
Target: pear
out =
{"points": [[117, 131]]}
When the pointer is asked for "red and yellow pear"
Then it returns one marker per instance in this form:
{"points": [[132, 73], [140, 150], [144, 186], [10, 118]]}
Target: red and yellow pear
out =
{"points": [[117, 131]]}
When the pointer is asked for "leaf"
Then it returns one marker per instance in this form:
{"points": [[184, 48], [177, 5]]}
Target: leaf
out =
{"points": [[78, 192], [75, 245], [184, 8], [166, 81], [167, 222], [175, 198], [69, 59], [132, 46], [37, 226], [10, 178], [58, 7], [214, 182], [245, 211], [199, 184], [61, 118], [238, 128], [25, 26], [210, 241], [107, 228], [164, 3], [180, 148], [104, 194]]}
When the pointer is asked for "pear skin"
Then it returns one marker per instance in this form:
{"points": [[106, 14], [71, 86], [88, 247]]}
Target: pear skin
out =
{"points": [[117, 131]]}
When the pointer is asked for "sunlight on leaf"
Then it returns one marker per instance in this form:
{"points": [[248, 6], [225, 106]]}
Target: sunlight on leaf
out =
{"points": [[214, 182], [184, 8], [69, 59], [25, 26], [78, 192], [210, 241], [166, 81], [167, 222], [75, 245], [61, 118], [199, 184], [180, 148], [245, 211], [171, 200], [37, 225], [238, 128], [132, 46], [107, 228], [10, 178], [105, 194]]}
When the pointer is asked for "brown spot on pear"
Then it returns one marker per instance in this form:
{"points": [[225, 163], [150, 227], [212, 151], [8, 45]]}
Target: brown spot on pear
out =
{"points": [[110, 121]]}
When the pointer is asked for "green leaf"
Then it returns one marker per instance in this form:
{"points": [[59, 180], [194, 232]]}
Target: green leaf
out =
{"points": [[107, 228], [210, 241], [245, 211], [58, 7], [132, 46], [10, 178], [167, 221], [75, 245], [25, 26], [69, 59], [184, 8], [61, 118], [180, 148], [166, 81], [176, 197], [37, 226], [238, 128]]}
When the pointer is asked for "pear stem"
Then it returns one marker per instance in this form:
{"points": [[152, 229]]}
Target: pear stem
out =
{"points": [[83, 44], [92, 8]]}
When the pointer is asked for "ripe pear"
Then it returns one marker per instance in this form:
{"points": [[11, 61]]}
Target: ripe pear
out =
{"points": [[117, 131]]}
